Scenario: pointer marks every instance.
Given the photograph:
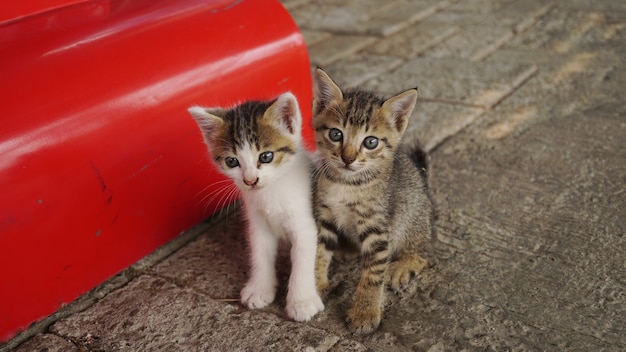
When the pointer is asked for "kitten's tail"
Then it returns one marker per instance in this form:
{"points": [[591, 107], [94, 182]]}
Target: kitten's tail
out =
{"points": [[419, 157]]}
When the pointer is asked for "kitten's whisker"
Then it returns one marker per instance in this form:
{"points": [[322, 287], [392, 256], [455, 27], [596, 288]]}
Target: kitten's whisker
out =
{"points": [[200, 192], [213, 196], [211, 185], [229, 196], [323, 168], [234, 199], [225, 194], [228, 199], [216, 191]]}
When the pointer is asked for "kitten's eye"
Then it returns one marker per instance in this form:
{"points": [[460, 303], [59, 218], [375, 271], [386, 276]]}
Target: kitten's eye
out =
{"points": [[231, 162], [266, 157], [335, 135], [370, 142]]}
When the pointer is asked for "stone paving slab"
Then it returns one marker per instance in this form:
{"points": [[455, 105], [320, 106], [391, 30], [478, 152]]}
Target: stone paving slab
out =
{"points": [[432, 123], [479, 7], [312, 37], [216, 265], [474, 42], [328, 16], [153, 314], [521, 15], [587, 76], [352, 71], [566, 282], [562, 30], [399, 17], [607, 6], [365, 16], [48, 343], [455, 81], [482, 37], [419, 37], [337, 47], [293, 4]]}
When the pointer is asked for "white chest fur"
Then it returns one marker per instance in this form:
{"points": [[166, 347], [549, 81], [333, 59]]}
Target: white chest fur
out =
{"points": [[285, 204]]}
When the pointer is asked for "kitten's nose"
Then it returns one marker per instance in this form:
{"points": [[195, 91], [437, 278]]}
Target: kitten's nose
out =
{"points": [[348, 159], [251, 183]]}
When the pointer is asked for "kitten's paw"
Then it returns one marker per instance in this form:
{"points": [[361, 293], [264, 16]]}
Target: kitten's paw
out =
{"points": [[321, 285], [304, 309], [255, 297], [402, 271], [363, 321]]}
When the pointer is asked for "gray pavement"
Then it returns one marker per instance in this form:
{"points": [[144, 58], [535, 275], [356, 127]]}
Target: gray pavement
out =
{"points": [[522, 107]]}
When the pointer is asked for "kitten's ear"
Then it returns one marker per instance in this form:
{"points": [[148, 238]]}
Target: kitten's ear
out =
{"points": [[399, 108], [285, 113], [325, 91], [210, 120]]}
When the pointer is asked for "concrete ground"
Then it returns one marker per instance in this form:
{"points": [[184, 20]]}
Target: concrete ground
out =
{"points": [[522, 107]]}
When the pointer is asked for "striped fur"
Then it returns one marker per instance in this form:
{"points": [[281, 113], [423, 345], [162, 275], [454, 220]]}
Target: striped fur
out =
{"points": [[375, 199]]}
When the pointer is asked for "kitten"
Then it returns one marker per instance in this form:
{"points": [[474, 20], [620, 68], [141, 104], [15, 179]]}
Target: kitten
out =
{"points": [[368, 192], [259, 146]]}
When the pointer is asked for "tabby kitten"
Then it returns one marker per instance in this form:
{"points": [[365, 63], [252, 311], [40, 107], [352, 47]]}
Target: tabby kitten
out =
{"points": [[368, 192], [259, 146]]}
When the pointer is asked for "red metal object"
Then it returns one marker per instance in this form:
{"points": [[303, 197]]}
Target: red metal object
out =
{"points": [[100, 162]]}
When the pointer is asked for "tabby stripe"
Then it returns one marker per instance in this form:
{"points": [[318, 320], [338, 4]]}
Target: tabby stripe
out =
{"points": [[329, 226], [234, 131], [367, 214], [329, 243], [376, 247], [373, 230], [286, 150], [322, 128], [373, 282], [370, 112], [379, 271], [254, 128], [386, 141], [380, 262], [358, 182]]}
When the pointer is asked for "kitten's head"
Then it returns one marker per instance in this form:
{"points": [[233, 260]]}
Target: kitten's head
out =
{"points": [[356, 131], [250, 142]]}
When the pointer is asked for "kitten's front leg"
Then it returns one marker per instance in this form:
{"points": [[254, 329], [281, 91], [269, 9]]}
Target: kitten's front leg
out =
{"points": [[327, 244], [260, 289], [303, 301], [365, 315]]}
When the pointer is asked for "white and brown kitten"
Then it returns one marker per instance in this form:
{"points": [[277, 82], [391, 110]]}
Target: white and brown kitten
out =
{"points": [[259, 146], [369, 192]]}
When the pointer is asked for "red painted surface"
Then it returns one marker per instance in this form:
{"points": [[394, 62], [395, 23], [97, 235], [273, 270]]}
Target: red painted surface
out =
{"points": [[17, 10], [100, 162]]}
